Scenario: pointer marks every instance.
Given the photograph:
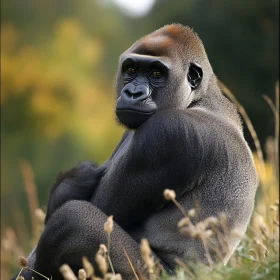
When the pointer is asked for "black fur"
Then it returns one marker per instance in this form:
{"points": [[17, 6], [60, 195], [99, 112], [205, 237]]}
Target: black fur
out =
{"points": [[77, 183]]}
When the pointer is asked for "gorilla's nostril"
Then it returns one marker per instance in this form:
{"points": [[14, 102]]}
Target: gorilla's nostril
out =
{"points": [[133, 94], [128, 93], [137, 95]]}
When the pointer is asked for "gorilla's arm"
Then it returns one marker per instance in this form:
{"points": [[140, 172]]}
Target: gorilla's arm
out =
{"points": [[77, 183], [170, 150]]}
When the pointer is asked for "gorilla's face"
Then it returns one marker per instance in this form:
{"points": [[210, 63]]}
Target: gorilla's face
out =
{"points": [[142, 76], [147, 84]]}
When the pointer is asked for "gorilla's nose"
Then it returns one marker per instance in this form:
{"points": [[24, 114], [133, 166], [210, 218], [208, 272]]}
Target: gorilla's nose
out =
{"points": [[134, 94]]}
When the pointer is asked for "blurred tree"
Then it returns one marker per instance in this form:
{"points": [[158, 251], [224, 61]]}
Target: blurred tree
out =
{"points": [[57, 96], [57, 106]]}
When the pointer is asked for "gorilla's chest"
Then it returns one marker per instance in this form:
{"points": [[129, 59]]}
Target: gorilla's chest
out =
{"points": [[122, 149]]}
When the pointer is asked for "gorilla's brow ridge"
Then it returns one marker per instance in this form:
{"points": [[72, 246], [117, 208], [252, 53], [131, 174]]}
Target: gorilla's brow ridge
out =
{"points": [[152, 61]]}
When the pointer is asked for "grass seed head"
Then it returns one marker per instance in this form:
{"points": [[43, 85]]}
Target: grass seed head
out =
{"points": [[102, 250], [236, 233], [169, 194], [116, 277], [102, 263], [191, 213], [109, 225], [82, 275], [145, 247], [195, 233], [146, 254], [111, 276], [108, 276], [88, 267], [40, 214], [67, 272], [211, 221], [23, 261], [184, 222], [201, 226], [207, 233]]}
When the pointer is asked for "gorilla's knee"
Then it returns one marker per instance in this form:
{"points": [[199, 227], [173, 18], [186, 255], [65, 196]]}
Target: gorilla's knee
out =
{"points": [[75, 230], [74, 219]]}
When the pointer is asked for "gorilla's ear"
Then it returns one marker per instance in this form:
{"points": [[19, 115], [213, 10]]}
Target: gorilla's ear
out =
{"points": [[195, 75]]}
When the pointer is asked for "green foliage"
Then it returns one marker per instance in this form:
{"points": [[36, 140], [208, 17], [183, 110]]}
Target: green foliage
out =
{"points": [[57, 106]]}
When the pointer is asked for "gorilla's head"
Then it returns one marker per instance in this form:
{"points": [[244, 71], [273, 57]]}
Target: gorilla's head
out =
{"points": [[166, 69]]}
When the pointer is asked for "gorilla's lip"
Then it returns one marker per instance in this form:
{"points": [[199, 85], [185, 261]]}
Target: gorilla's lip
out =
{"points": [[135, 111], [135, 108], [132, 118]]}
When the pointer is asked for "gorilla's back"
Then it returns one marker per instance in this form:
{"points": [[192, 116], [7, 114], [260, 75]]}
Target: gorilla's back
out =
{"points": [[228, 186]]}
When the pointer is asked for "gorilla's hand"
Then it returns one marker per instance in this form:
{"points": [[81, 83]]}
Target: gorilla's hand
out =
{"points": [[78, 183]]}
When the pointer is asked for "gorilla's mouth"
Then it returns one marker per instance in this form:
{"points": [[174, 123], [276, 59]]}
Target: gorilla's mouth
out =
{"points": [[133, 118]]}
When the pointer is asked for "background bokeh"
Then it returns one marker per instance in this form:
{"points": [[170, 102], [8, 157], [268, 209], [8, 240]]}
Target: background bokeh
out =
{"points": [[58, 61]]}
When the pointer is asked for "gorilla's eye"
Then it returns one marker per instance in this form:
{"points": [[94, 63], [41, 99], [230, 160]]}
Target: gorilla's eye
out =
{"points": [[156, 74], [131, 71]]}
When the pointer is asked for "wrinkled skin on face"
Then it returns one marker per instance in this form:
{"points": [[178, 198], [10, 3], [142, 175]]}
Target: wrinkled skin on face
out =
{"points": [[142, 78], [145, 82]]}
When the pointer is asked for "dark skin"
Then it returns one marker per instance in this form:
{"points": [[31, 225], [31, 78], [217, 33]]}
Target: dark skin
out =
{"points": [[141, 76], [181, 134]]}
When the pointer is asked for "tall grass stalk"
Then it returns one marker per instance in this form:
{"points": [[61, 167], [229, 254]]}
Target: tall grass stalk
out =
{"points": [[250, 126]]}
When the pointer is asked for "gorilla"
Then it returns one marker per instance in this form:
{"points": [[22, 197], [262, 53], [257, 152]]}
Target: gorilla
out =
{"points": [[181, 133]]}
